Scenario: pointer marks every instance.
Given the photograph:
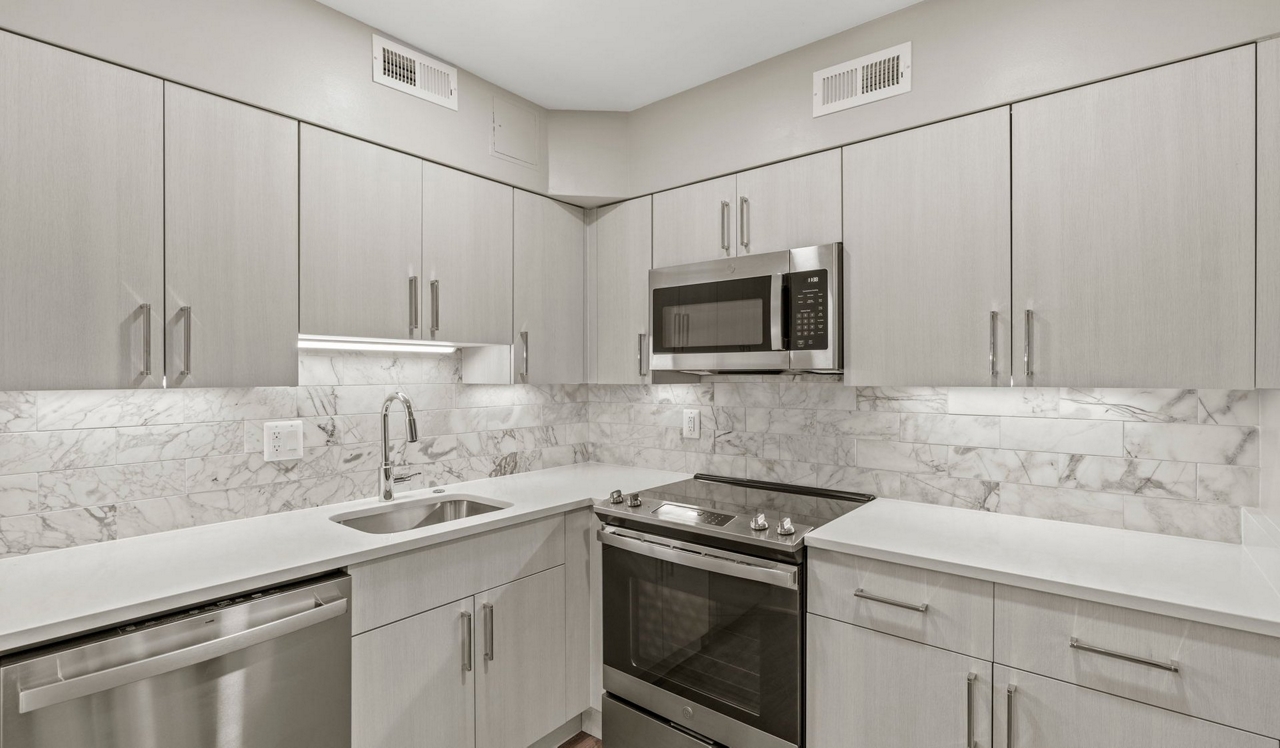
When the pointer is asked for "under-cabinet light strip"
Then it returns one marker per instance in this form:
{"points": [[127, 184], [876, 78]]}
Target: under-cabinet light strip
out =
{"points": [[333, 343]]}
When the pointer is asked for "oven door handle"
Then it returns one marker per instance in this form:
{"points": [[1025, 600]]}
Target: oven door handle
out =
{"points": [[775, 311], [778, 575]]}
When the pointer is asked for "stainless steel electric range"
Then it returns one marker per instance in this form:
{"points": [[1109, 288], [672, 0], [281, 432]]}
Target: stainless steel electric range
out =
{"points": [[703, 616]]}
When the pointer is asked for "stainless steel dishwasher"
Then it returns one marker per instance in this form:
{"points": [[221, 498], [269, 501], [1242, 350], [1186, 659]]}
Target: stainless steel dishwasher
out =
{"points": [[270, 669]]}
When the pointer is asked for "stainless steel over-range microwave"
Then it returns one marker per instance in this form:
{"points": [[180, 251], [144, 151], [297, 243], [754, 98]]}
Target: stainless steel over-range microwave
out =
{"points": [[777, 311]]}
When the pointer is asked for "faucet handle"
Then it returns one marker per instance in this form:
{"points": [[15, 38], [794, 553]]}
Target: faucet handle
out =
{"points": [[403, 478]]}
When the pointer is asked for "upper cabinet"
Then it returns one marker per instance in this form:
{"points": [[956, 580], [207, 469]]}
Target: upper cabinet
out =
{"points": [[81, 221], [623, 235], [466, 257], [361, 238], [549, 292], [791, 204], [1269, 214], [231, 243], [1133, 229], [926, 217], [695, 223]]}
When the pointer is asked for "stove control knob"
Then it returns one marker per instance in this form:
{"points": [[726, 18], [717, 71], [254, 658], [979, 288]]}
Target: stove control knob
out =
{"points": [[785, 527], [758, 522], [633, 500], [615, 497]]}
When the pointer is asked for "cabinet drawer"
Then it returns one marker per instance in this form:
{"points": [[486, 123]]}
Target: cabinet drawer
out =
{"points": [[1223, 675], [943, 610], [401, 586]]}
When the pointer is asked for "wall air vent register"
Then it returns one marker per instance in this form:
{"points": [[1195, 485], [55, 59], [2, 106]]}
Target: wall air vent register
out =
{"points": [[414, 73], [862, 81]]}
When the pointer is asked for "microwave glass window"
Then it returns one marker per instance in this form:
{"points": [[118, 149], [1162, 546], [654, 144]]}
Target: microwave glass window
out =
{"points": [[716, 324]]}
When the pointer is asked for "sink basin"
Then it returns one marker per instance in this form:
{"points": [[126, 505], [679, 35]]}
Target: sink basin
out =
{"points": [[411, 516]]}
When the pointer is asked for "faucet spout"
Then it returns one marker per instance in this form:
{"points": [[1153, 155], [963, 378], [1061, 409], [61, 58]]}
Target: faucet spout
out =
{"points": [[388, 479]]}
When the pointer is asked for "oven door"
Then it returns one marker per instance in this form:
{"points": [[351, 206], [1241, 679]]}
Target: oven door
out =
{"points": [[708, 639], [718, 315]]}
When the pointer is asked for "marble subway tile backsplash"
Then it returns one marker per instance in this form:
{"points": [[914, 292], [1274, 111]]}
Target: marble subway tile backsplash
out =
{"points": [[1179, 462], [89, 466]]}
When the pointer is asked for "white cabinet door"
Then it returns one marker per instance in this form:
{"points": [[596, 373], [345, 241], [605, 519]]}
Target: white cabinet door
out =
{"points": [[1133, 229], [550, 297], [361, 238], [81, 221], [695, 223], [791, 204], [1051, 714], [926, 216], [231, 243], [624, 234], [1269, 214], [413, 681], [871, 689], [466, 257], [520, 683]]}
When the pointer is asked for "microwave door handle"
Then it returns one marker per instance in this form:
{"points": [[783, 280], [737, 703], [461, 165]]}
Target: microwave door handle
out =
{"points": [[775, 311]]}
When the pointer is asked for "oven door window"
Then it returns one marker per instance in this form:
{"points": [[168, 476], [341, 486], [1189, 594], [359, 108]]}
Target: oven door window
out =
{"points": [[729, 644], [729, 316]]}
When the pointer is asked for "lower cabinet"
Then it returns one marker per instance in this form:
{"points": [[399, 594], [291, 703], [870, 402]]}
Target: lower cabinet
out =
{"points": [[871, 689], [1032, 711], [487, 670]]}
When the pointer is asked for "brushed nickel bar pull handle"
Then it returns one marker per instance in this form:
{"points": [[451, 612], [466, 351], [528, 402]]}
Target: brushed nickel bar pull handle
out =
{"points": [[1170, 666], [991, 353], [724, 226], [1026, 347], [922, 607], [524, 343], [1008, 715], [466, 642], [640, 355], [145, 309], [435, 307], [186, 341], [488, 632], [744, 223], [413, 304], [968, 716]]}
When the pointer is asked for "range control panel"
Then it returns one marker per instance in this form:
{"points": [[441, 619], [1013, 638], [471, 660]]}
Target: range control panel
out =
{"points": [[807, 299]]}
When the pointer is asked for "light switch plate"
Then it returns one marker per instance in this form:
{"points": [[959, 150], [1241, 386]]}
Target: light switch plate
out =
{"points": [[692, 423], [282, 440]]}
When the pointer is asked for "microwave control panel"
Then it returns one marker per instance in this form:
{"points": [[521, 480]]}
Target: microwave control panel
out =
{"points": [[807, 300]]}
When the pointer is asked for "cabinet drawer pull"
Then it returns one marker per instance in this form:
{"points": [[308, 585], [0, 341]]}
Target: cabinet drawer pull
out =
{"points": [[145, 310], [991, 352], [640, 356], [466, 642], [1027, 368], [186, 341], [1171, 665], [724, 226], [922, 607], [413, 304], [968, 715], [1008, 715], [744, 223], [488, 632], [435, 307]]}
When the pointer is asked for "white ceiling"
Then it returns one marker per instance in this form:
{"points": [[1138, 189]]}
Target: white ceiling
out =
{"points": [[614, 55]]}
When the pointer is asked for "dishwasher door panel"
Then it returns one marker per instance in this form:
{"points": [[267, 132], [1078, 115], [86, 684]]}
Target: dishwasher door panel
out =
{"points": [[273, 671]]}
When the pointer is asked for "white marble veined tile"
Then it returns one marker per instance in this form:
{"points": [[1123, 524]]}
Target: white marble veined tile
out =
{"points": [[377, 368], [235, 471], [334, 401], [1228, 484], [38, 451], [17, 411], [1064, 505], [241, 403], [441, 369], [744, 443], [19, 494], [661, 459], [903, 399], [803, 448], [316, 370], [511, 417], [34, 533], [1152, 406], [313, 492], [425, 396], [748, 394], [492, 395], [663, 414], [1172, 480], [1229, 407], [1192, 519], [782, 471], [151, 516], [682, 394], [865, 424], [89, 409], [1067, 436], [859, 480], [156, 443], [65, 489], [429, 449], [1039, 402], [356, 458], [558, 413], [609, 412], [961, 431], [946, 491], [1220, 445], [819, 396], [1004, 465], [902, 457]]}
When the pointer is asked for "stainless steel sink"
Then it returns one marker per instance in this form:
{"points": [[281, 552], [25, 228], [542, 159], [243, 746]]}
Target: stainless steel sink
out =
{"points": [[411, 516]]}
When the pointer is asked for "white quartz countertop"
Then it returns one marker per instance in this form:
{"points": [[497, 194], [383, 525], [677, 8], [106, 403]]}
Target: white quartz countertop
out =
{"points": [[52, 595], [1198, 580]]}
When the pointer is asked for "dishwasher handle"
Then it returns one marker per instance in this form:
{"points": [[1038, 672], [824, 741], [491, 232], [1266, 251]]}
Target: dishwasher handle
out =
{"points": [[39, 697]]}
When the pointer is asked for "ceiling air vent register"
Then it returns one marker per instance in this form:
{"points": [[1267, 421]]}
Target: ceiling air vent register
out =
{"points": [[414, 73], [862, 81]]}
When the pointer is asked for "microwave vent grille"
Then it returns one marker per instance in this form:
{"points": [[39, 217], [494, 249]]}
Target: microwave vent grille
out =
{"points": [[414, 73], [862, 81]]}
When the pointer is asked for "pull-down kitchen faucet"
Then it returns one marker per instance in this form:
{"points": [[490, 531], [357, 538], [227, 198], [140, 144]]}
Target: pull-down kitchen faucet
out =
{"points": [[388, 477]]}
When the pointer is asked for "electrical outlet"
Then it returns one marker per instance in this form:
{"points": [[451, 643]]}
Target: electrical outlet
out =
{"points": [[282, 440], [692, 423]]}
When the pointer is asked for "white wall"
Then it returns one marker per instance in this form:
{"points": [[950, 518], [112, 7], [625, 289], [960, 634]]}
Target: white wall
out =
{"points": [[296, 57], [587, 156]]}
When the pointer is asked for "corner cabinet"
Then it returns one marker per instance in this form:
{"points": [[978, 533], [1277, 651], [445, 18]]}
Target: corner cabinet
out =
{"points": [[695, 223], [361, 238], [1269, 214], [549, 303], [1133, 229], [82, 200], [623, 239], [927, 238], [231, 243]]}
